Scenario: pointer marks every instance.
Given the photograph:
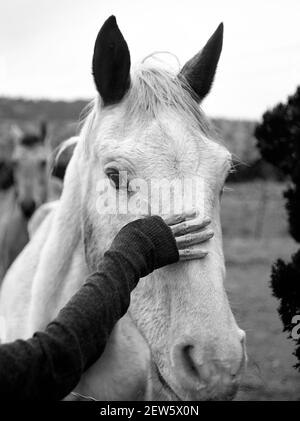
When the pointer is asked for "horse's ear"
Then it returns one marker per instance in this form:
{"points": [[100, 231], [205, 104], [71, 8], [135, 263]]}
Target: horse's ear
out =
{"points": [[199, 72], [111, 63], [43, 130]]}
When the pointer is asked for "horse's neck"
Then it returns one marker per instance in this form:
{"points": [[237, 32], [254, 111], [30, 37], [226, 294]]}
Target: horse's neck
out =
{"points": [[61, 269]]}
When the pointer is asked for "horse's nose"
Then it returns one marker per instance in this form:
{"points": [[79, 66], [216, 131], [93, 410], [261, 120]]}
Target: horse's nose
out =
{"points": [[202, 369], [28, 207]]}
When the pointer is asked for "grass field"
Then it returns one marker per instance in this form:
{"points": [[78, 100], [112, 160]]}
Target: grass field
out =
{"points": [[255, 235]]}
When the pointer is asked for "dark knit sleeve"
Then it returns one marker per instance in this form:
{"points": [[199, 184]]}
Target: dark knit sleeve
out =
{"points": [[49, 365]]}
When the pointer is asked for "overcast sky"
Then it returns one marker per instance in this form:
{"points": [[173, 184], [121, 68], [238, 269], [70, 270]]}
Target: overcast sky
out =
{"points": [[46, 46]]}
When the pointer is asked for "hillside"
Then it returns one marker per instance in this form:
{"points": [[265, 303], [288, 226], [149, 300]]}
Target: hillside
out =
{"points": [[236, 134]]}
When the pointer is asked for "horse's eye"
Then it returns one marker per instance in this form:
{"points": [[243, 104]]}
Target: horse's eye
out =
{"points": [[114, 176], [43, 164], [119, 179]]}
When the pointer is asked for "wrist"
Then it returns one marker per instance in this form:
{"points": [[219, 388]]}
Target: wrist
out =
{"points": [[149, 235]]}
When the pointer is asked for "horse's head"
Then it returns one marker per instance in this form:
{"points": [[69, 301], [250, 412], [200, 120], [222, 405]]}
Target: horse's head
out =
{"points": [[30, 172], [144, 128]]}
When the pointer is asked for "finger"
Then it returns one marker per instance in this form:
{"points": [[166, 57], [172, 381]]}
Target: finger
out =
{"points": [[180, 217], [192, 254], [190, 226], [187, 240]]}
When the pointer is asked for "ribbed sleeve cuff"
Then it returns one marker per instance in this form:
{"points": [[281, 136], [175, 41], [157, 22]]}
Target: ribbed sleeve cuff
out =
{"points": [[161, 236]]}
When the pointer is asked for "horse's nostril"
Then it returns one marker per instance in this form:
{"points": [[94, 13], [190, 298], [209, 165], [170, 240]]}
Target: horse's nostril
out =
{"points": [[27, 207], [203, 368], [188, 365], [187, 360]]}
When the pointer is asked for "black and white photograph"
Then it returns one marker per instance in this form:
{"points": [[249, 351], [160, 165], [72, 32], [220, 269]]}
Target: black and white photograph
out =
{"points": [[149, 203]]}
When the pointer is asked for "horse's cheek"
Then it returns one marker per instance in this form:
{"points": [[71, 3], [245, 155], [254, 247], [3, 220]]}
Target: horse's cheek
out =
{"points": [[122, 371]]}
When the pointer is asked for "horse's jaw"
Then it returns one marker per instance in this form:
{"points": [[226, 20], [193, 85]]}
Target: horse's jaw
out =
{"points": [[123, 371]]}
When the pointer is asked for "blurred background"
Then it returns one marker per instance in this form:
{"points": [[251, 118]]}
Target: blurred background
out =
{"points": [[45, 75]]}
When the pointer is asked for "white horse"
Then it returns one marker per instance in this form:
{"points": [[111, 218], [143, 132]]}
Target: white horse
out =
{"points": [[179, 339], [30, 188]]}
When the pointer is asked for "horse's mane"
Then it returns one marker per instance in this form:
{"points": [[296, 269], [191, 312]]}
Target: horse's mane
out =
{"points": [[156, 89]]}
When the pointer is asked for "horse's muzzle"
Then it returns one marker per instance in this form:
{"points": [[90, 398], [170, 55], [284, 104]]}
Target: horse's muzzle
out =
{"points": [[199, 379]]}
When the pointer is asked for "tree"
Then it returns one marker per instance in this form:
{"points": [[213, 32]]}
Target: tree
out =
{"points": [[278, 138]]}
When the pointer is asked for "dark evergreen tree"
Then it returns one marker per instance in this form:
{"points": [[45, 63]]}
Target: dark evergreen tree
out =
{"points": [[278, 138]]}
